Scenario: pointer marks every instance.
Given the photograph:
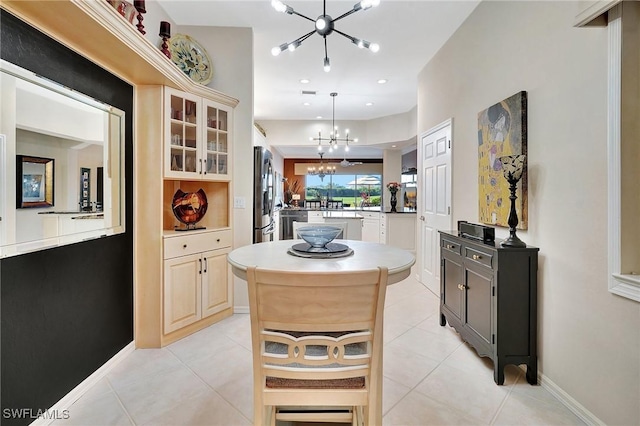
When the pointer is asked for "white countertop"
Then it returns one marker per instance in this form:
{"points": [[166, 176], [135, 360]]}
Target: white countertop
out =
{"points": [[366, 255], [342, 215]]}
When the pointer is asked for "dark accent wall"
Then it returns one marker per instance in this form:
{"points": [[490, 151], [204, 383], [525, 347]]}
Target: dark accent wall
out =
{"points": [[65, 311]]}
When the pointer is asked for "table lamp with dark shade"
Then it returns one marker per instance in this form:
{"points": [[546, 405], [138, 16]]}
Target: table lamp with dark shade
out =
{"points": [[513, 167]]}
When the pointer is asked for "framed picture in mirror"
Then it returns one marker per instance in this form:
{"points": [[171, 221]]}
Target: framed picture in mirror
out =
{"points": [[35, 181], [85, 189]]}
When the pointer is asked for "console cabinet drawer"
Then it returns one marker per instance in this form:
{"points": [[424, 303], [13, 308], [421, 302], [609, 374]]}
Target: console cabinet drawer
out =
{"points": [[184, 245], [451, 246], [478, 256]]}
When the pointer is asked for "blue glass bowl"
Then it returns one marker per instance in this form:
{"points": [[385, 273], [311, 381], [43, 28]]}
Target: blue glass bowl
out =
{"points": [[318, 236]]}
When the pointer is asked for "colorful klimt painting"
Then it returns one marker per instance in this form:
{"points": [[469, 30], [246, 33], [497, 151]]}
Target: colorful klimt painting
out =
{"points": [[502, 130]]}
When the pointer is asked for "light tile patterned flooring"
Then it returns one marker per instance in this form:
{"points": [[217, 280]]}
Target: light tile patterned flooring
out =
{"points": [[431, 377]]}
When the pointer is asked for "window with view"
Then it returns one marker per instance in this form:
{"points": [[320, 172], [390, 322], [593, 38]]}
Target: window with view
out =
{"points": [[355, 191]]}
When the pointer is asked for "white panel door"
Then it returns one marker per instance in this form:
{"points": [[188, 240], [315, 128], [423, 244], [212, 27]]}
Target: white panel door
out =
{"points": [[435, 165]]}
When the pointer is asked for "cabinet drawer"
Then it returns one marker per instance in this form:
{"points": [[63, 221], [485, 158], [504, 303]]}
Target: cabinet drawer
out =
{"points": [[451, 246], [184, 245], [478, 256]]}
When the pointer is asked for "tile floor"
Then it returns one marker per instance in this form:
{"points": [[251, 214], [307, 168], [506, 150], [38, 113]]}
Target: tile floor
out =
{"points": [[431, 377]]}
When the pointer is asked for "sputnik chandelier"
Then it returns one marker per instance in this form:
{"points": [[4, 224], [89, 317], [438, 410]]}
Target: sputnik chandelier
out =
{"points": [[334, 137], [324, 26], [321, 172]]}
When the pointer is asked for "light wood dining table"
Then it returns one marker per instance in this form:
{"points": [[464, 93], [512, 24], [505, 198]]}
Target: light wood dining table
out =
{"points": [[366, 255]]}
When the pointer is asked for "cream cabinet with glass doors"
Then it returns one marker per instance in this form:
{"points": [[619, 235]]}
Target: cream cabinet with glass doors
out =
{"points": [[197, 137], [184, 284]]}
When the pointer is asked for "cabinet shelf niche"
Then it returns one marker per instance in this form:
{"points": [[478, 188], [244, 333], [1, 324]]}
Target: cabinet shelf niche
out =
{"points": [[217, 216]]}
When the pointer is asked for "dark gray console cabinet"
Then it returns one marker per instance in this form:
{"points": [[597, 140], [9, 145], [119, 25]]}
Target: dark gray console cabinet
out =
{"points": [[489, 295]]}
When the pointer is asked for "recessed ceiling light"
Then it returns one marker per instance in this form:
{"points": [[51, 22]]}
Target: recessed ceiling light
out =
{"points": [[305, 80], [306, 104], [369, 104], [319, 117], [393, 146], [382, 81]]}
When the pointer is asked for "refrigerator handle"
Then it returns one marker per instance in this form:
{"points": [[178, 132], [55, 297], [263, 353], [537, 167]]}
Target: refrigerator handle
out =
{"points": [[270, 228]]}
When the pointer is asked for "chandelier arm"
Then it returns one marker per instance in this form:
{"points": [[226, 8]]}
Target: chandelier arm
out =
{"points": [[344, 15], [302, 16], [304, 37], [353, 39]]}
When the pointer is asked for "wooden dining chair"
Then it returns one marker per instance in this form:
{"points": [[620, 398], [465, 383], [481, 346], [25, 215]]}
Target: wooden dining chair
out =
{"points": [[317, 345]]}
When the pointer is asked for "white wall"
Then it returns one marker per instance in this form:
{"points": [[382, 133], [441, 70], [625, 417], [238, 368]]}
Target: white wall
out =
{"points": [[589, 339], [394, 128], [28, 223]]}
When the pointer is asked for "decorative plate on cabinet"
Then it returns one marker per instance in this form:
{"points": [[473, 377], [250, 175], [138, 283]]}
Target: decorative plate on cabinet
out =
{"points": [[191, 58]]}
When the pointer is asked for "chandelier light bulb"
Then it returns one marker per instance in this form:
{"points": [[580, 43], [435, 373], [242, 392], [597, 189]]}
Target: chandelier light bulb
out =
{"points": [[279, 6], [360, 44], [275, 51], [375, 47], [321, 23], [327, 65], [355, 140]]}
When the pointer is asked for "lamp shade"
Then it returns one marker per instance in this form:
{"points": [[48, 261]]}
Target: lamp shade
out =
{"points": [[165, 29], [513, 166]]}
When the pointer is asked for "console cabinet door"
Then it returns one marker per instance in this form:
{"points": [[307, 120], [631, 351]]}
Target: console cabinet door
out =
{"points": [[452, 276], [216, 295], [479, 304], [182, 281]]}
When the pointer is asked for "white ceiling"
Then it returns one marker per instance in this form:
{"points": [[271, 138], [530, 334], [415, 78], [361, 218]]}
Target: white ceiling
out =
{"points": [[409, 34]]}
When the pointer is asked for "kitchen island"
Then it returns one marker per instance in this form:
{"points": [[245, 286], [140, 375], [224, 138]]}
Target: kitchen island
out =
{"points": [[351, 218]]}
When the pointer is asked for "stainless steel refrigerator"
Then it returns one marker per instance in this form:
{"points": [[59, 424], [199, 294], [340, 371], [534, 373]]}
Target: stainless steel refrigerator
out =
{"points": [[263, 195]]}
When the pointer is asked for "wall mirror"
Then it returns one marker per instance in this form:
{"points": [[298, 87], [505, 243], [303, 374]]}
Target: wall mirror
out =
{"points": [[61, 164]]}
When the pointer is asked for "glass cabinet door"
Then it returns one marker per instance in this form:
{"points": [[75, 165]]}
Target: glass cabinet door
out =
{"points": [[183, 135], [217, 148]]}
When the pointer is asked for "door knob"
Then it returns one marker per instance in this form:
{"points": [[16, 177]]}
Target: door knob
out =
{"points": [[422, 218]]}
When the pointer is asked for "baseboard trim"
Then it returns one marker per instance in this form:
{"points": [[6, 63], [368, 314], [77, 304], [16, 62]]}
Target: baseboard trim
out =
{"points": [[240, 309], [567, 400], [75, 394]]}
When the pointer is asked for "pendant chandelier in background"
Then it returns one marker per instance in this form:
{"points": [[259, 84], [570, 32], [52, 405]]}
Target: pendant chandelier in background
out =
{"points": [[324, 26], [334, 136], [321, 171]]}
